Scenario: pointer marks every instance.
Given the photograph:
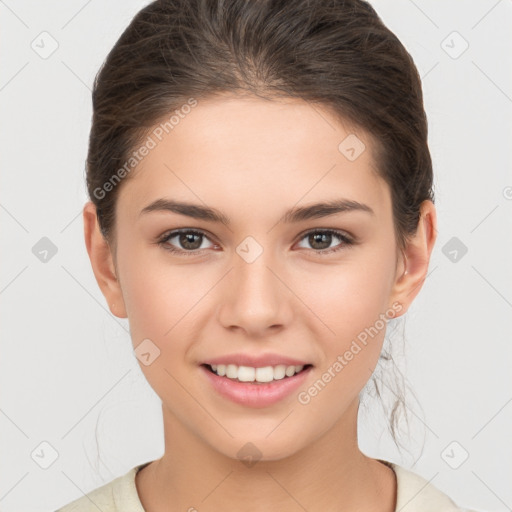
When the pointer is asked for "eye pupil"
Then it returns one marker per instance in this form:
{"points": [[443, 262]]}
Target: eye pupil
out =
{"points": [[185, 240], [322, 238]]}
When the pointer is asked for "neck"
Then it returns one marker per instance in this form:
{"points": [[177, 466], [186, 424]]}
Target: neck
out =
{"points": [[329, 474]]}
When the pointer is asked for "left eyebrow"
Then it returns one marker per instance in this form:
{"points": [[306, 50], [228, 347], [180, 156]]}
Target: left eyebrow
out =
{"points": [[325, 209], [314, 211]]}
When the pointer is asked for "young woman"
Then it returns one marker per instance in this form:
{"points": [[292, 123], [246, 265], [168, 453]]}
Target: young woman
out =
{"points": [[261, 207]]}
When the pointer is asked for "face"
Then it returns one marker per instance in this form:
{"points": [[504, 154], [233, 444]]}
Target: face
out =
{"points": [[316, 288]]}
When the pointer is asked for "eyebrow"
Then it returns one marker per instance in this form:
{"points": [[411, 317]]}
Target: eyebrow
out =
{"points": [[314, 211]]}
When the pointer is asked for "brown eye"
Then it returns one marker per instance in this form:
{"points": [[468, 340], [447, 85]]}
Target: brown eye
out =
{"points": [[321, 240], [188, 242]]}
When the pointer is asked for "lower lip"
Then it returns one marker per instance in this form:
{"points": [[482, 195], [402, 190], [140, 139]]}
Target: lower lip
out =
{"points": [[254, 394]]}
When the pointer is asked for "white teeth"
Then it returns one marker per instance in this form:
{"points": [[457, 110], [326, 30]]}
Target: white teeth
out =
{"points": [[232, 371], [245, 373], [250, 374], [279, 371], [265, 374], [290, 371]]}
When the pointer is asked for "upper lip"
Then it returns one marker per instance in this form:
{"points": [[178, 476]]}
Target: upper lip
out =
{"points": [[256, 361]]}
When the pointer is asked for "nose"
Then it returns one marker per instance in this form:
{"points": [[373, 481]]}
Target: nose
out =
{"points": [[254, 298]]}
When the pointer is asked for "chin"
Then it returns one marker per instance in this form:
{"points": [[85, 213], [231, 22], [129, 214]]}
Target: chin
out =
{"points": [[251, 450]]}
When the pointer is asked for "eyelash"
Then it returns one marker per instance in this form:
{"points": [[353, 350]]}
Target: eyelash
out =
{"points": [[163, 241]]}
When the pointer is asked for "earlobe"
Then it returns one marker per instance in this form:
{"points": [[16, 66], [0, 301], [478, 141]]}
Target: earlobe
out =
{"points": [[102, 262], [413, 270]]}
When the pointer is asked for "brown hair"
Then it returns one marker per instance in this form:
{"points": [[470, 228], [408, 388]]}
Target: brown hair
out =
{"points": [[335, 53]]}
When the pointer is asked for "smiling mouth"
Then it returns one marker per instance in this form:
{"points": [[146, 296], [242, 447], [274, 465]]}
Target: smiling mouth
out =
{"points": [[251, 375]]}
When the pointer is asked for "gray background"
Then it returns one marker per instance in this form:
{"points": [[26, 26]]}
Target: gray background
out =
{"points": [[68, 375]]}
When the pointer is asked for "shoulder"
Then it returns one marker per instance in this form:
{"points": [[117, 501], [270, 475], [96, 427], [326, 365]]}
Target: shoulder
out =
{"points": [[416, 494], [118, 495]]}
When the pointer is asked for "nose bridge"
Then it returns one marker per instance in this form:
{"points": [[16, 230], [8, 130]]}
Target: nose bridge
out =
{"points": [[257, 298], [255, 282]]}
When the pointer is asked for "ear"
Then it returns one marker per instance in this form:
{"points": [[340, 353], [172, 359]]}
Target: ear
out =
{"points": [[412, 268], [102, 262]]}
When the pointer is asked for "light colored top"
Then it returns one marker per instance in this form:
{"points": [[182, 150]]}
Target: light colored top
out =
{"points": [[414, 494]]}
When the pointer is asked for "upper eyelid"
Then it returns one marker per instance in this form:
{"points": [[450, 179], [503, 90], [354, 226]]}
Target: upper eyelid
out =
{"points": [[173, 232]]}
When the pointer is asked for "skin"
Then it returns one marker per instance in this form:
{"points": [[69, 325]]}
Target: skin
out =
{"points": [[254, 159]]}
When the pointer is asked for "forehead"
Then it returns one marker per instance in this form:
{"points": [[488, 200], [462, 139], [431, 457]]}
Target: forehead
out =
{"points": [[251, 154]]}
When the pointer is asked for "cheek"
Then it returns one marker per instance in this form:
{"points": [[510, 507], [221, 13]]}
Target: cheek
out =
{"points": [[154, 297], [158, 303], [351, 300], [165, 303], [346, 295]]}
